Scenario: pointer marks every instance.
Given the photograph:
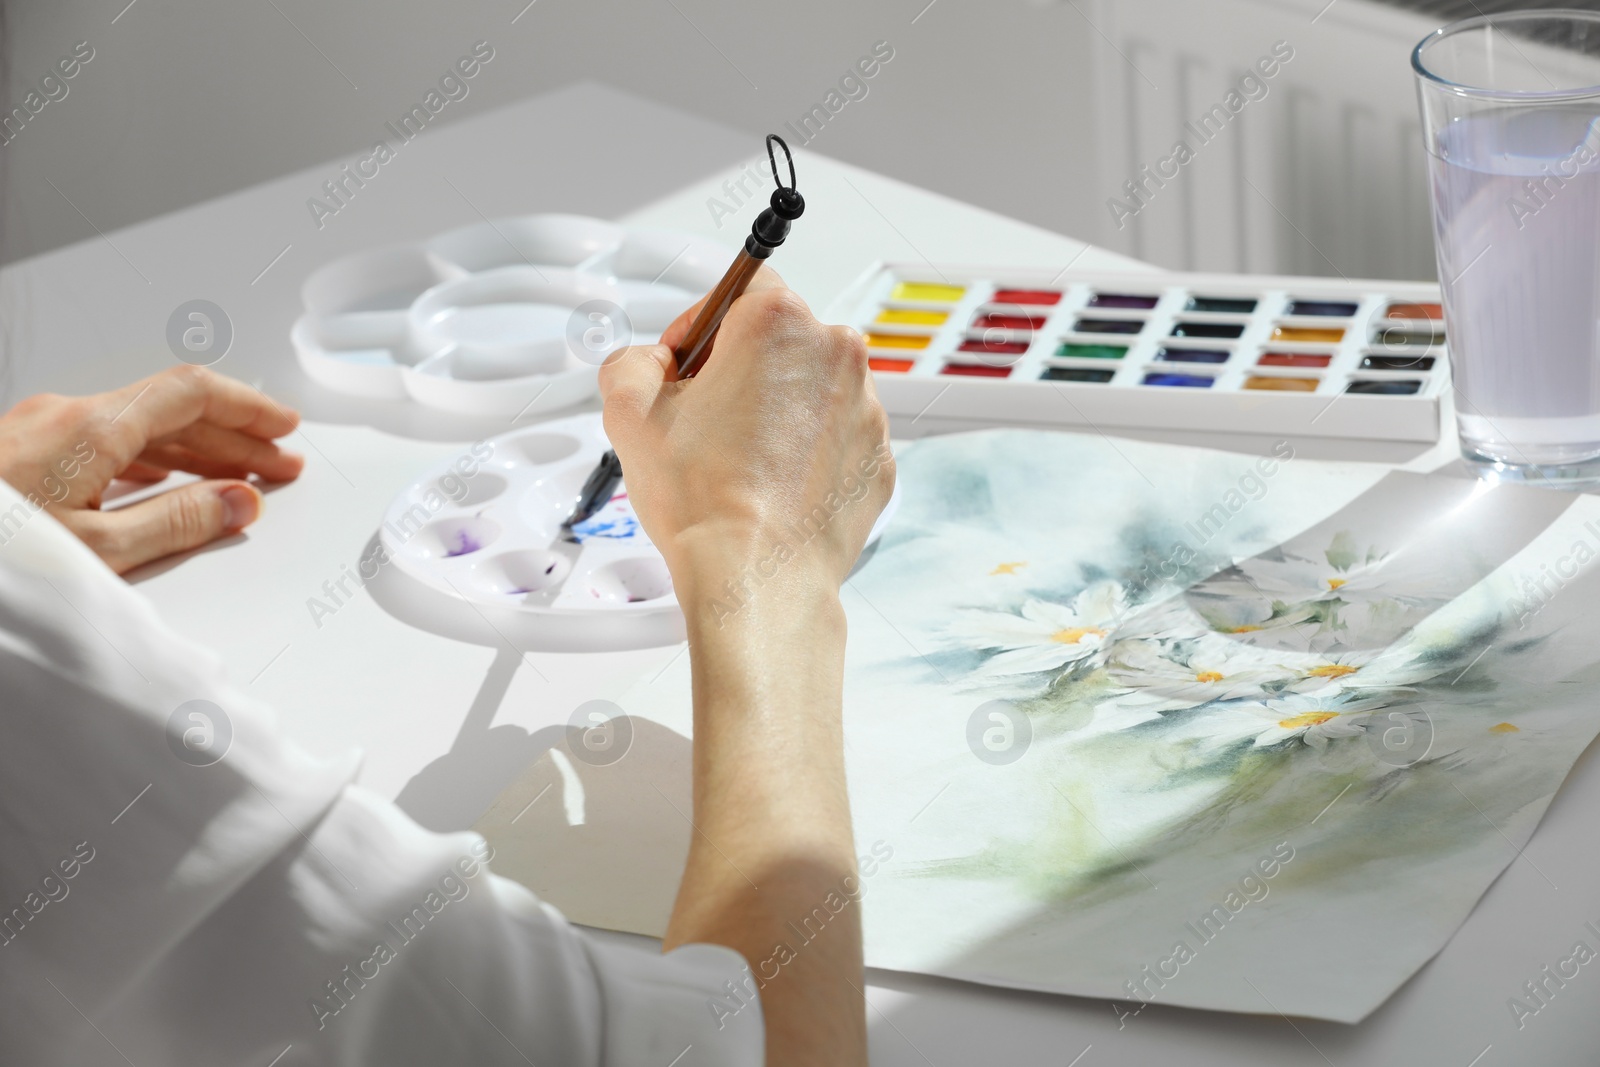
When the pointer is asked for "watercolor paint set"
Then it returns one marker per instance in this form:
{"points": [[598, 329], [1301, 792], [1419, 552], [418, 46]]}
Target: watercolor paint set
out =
{"points": [[1165, 351], [502, 317], [474, 548]]}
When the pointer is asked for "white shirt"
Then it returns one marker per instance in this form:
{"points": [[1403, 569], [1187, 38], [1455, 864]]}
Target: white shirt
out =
{"points": [[261, 909]]}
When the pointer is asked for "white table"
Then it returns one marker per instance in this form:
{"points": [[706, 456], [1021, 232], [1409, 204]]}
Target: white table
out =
{"points": [[93, 315]]}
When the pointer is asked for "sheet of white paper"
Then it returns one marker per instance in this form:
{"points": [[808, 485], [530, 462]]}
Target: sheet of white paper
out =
{"points": [[1162, 724]]}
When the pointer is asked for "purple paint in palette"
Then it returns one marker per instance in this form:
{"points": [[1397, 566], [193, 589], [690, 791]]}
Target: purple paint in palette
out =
{"points": [[462, 543], [1128, 301], [551, 569], [1124, 326]]}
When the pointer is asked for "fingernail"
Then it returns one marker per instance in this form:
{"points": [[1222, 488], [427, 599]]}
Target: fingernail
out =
{"points": [[241, 506]]}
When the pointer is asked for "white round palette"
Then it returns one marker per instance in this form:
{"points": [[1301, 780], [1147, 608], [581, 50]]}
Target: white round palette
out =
{"points": [[509, 317], [484, 555]]}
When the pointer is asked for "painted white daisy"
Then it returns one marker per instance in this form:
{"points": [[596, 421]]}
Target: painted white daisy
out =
{"points": [[1185, 674], [1044, 636], [1363, 671], [1314, 671], [1312, 719], [1295, 579]]}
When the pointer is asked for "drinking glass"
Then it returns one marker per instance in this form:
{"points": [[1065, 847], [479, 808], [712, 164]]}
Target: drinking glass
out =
{"points": [[1511, 122]]}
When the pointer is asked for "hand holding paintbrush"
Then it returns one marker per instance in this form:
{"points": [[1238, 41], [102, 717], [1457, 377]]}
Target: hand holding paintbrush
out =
{"points": [[759, 481], [767, 233], [781, 433]]}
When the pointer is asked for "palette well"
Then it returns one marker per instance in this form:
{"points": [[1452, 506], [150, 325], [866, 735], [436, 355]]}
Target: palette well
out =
{"points": [[1204, 352], [502, 317], [474, 549]]}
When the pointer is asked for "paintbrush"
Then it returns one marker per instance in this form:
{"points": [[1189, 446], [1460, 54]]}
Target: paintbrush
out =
{"points": [[766, 233]]}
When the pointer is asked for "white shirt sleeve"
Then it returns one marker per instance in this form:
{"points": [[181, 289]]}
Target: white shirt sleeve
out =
{"points": [[181, 885]]}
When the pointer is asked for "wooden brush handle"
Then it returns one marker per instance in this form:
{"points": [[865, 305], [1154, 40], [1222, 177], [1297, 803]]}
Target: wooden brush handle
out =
{"points": [[696, 346]]}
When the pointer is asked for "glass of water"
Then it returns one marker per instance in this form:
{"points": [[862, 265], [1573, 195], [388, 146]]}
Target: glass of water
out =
{"points": [[1511, 120]]}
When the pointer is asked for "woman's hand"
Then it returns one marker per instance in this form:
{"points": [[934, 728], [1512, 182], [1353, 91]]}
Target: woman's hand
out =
{"points": [[62, 452], [759, 481], [774, 459]]}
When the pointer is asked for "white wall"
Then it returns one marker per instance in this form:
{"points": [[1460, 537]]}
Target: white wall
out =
{"points": [[188, 99], [1321, 171]]}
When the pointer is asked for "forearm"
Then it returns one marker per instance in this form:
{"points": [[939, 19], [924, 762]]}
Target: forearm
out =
{"points": [[772, 868]]}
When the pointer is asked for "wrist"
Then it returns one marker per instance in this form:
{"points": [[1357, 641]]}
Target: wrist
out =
{"points": [[734, 600], [720, 573]]}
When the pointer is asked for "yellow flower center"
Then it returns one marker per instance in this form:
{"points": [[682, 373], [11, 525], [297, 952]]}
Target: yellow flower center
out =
{"points": [[1208, 676], [1074, 634], [1244, 629], [1334, 583], [1309, 718], [1332, 670]]}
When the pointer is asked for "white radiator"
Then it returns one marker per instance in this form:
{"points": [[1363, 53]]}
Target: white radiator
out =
{"points": [[1319, 171]]}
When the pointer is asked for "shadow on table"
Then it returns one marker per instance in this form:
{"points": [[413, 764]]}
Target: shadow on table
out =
{"points": [[127, 494], [453, 790], [600, 832], [596, 821]]}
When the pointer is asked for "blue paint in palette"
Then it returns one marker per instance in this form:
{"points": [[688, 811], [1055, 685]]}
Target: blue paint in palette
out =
{"points": [[614, 522], [1334, 308], [1190, 381]]}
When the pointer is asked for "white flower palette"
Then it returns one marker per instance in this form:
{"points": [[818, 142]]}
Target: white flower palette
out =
{"points": [[1111, 350], [481, 555], [507, 317]]}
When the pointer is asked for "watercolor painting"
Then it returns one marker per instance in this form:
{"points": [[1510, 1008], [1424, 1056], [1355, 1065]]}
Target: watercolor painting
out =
{"points": [[1167, 725]]}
